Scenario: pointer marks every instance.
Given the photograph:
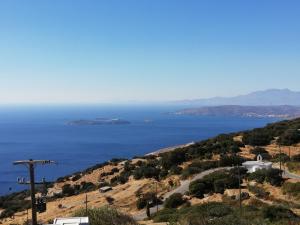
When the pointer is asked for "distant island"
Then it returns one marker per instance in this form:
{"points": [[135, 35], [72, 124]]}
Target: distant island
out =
{"points": [[99, 121], [284, 111]]}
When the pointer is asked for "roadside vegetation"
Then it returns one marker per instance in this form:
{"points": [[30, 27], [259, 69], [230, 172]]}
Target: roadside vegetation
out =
{"points": [[106, 216], [216, 213]]}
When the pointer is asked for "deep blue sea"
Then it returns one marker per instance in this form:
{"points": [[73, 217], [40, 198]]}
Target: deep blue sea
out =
{"points": [[43, 133]]}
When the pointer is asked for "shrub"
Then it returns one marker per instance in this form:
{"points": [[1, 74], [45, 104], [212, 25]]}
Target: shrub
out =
{"points": [[229, 160], [141, 203], [76, 177], [149, 197], [202, 214], [87, 186], [272, 176], [172, 158], [174, 201], [198, 188], [293, 166], [296, 158], [257, 137], [215, 182], [128, 166], [291, 189], [68, 190], [7, 213], [175, 170], [146, 171], [258, 191], [163, 174], [114, 170], [165, 215], [290, 137], [109, 199], [281, 157], [275, 213], [106, 216]]}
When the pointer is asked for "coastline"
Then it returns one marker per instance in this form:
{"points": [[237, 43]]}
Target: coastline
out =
{"points": [[169, 149]]}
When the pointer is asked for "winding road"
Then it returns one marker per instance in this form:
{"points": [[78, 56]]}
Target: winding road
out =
{"points": [[182, 189]]}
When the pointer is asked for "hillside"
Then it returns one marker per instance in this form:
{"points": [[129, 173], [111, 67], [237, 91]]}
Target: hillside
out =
{"points": [[197, 174], [269, 97], [283, 112]]}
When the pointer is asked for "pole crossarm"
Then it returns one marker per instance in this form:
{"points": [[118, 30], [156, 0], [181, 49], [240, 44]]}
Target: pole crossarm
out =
{"points": [[43, 162]]}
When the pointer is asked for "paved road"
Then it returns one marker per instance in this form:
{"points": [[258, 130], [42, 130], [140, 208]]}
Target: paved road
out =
{"points": [[182, 188], [286, 173]]}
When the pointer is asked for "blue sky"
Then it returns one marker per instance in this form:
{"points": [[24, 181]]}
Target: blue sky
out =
{"points": [[84, 51]]}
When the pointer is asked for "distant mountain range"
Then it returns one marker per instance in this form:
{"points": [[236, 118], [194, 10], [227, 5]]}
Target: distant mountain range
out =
{"points": [[269, 97], [283, 112]]}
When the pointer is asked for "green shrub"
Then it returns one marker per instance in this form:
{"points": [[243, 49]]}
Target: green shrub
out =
{"points": [[173, 158], [198, 188], [275, 213], [174, 201], [146, 171], [87, 186], [175, 170], [281, 157], [272, 176], [289, 137], [7, 213], [165, 215], [68, 190], [296, 158], [106, 216], [257, 137], [141, 203], [215, 182], [258, 191], [229, 160], [293, 166]]}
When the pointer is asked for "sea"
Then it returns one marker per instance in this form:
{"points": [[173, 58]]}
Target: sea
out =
{"points": [[44, 132]]}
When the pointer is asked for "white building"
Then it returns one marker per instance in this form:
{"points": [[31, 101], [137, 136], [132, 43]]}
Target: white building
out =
{"points": [[71, 221], [259, 164]]}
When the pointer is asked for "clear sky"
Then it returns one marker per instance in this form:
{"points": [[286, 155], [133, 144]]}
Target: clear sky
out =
{"points": [[84, 51]]}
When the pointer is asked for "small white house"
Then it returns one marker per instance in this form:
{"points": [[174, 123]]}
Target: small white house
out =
{"points": [[105, 189], [71, 221], [259, 164]]}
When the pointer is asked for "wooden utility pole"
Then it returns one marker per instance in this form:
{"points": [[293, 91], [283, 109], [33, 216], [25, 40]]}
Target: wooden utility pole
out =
{"points": [[156, 197], [279, 157], [86, 205], [240, 190], [30, 164]]}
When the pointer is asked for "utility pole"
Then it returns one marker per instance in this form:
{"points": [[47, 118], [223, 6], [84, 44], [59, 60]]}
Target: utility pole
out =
{"points": [[86, 205], [240, 190], [30, 164], [279, 157], [156, 198]]}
